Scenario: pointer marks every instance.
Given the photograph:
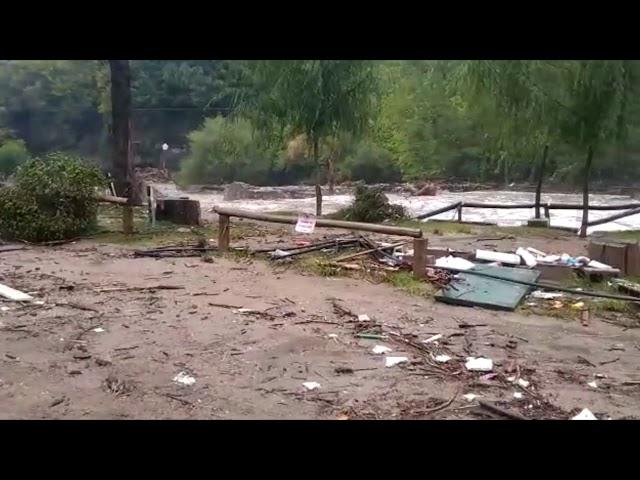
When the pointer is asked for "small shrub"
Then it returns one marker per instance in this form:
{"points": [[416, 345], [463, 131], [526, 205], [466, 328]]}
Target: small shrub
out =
{"points": [[12, 154], [371, 205], [53, 199]]}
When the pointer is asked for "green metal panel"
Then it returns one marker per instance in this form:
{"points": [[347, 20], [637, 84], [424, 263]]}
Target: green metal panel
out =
{"points": [[476, 291]]}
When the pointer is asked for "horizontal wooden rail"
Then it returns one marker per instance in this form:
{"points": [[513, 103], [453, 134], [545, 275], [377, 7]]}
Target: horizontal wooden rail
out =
{"points": [[322, 222], [611, 218]]}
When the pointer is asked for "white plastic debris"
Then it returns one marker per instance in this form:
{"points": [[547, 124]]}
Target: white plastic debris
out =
{"points": [[184, 378], [528, 258], [517, 395], [550, 259], [454, 262], [380, 349], [585, 415], [4, 309], [469, 397], [333, 335], [545, 295], [593, 384], [435, 338], [311, 385], [392, 361], [442, 358], [245, 311], [489, 256], [363, 318], [279, 254], [38, 302], [523, 383], [98, 330], [479, 364], [511, 379], [15, 295]]}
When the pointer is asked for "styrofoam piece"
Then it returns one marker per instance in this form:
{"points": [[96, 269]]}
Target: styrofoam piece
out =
{"points": [[517, 395], [469, 397], [602, 266], [489, 256], [311, 385], [363, 318], [593, 384], [184, 378], [536, 252], [392, 361], [546, 295], [380, 349], [585, 414], [523, 383], [529, 259], [479, 364], [549, 259], [454, 262], [442, 358]]}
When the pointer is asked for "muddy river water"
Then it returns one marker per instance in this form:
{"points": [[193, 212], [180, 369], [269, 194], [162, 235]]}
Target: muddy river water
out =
{"points": [[418, 205]]}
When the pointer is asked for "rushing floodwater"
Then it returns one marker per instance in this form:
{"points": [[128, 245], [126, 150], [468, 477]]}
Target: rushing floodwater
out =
{"points": [[418, 205]]}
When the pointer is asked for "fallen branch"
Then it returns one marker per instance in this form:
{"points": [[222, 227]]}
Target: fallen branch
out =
{"points": [[367, 252], [132, 289], [224, 305], [78, 306], [500, 411], [442, 406]]}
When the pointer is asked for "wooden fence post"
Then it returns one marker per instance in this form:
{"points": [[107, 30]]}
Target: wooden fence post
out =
{"points": [[460, 213], [223, 232], [420, 257]]}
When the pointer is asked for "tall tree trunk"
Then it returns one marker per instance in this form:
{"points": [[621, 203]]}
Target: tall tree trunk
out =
{"points": [[543, 162], [318, 177], [585, 193], [121, 136], [331, 172]]}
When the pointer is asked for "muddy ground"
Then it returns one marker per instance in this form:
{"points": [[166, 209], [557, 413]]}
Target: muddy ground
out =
{"points": [[96, 348]]}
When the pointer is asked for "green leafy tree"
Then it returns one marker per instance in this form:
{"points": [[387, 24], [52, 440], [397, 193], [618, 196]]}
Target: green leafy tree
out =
{"points": [[317, 98], [12, 154]]}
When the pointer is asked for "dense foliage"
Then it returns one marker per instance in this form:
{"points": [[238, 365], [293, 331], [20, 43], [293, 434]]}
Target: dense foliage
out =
{"points": [[350, 120], [12, 154], [53, 198]]}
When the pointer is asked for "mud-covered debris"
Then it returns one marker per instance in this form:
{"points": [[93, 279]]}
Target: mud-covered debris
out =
{"points": [[469, 397], [114, 385]]}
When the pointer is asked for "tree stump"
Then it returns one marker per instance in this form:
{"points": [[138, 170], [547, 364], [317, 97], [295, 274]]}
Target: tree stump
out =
{"points": [[181, 211]]}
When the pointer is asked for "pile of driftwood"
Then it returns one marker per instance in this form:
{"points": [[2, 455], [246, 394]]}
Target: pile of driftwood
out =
{"points": [[381, 254]]}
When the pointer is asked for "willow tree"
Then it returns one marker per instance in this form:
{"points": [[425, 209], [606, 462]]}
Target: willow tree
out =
{"points": [[316, 98], [582, 104]]}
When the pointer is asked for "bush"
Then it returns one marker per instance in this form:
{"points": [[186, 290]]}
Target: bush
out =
{"points": [[223, 151], [371, 164], [371, 205], [12, 154], [54, 198]]}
